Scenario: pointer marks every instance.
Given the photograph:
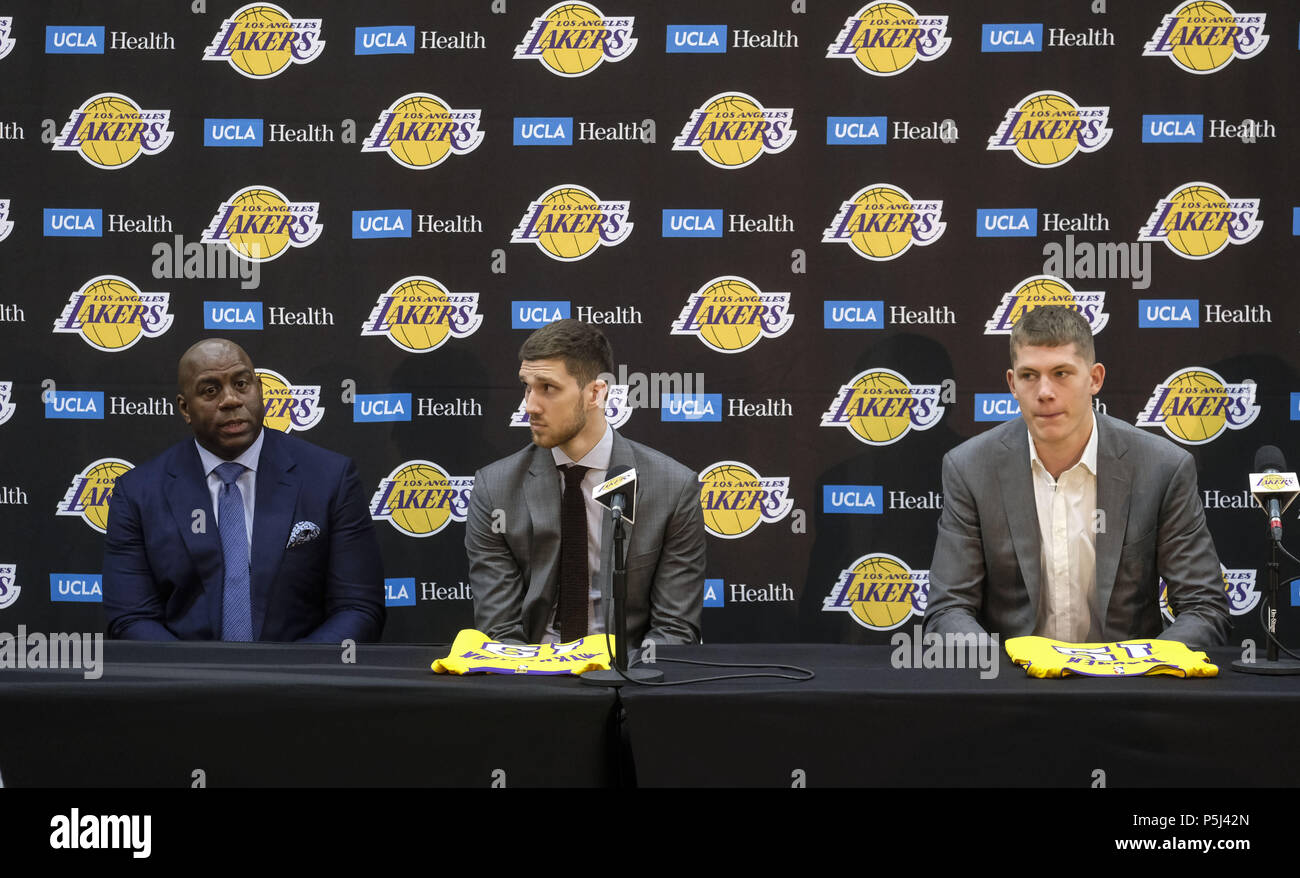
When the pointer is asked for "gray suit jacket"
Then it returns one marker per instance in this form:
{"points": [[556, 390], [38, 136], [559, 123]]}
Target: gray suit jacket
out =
{"points": [[986, 568], [515, 574]]}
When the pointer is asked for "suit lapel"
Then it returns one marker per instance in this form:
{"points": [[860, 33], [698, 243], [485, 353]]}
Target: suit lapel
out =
{"points": [[1114, 491], [277, 497], [542, 494], [1021, 508], [187, 492]]}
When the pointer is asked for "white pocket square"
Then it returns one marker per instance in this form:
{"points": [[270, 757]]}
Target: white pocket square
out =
{"points": [[303, 532]]}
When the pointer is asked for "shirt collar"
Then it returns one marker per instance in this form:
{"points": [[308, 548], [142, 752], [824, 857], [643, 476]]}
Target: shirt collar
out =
{"points": [[597, 458], [1089, 458], [249, 458]]}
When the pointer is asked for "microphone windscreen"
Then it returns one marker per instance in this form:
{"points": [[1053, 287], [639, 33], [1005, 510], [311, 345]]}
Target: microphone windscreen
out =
{"points": [[1269, 457]]}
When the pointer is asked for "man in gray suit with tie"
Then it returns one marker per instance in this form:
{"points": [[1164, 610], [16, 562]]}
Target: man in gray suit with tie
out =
{"points": [[1064, 529], [539, 546]]}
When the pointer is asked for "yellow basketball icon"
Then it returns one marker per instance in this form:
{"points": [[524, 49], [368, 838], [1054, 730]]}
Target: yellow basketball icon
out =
{"points": [[1199, 16], [253, 206], [1054, 111], [560, 207], [889, 390], [252, 24], [728, 499], [725, 295], [98, 489], [111, 109], [418, 111], [880, 587], [101, 300], [1038, 291], [882, 60], [1197, 429], [574, 61], [872, 202], [1197, 243], [417, 293], [727, 110], [419, 499]]}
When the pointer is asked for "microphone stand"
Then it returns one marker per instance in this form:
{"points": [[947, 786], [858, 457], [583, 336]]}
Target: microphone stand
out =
{"points": [[1273, 666], [620, 673]]}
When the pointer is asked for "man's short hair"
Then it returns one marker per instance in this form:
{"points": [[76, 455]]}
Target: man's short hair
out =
{"points": [[1053, 326], [585, 350]]}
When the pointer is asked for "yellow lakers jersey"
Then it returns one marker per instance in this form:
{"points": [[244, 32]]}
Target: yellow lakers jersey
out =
{"points": [[473, 653], [1041, 657]]}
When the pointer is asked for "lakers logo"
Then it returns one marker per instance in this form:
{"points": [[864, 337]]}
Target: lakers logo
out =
{"points": [[1203, 36], [6, 224], [111, 314], [289, 407], [1238, 584], [1198, 220], [1048, 128], [6, 40], [884, 39], [879, 591], [419, 315], [572, 39], [111, 131], [1043, 289], [730, 314], [1195, 405], [732, 129], [617, 408], [736, 499], [261, 40], [259, 223], [9, 588], [421, 130], [90, 491], [420, 499], [569, 222], [882, 222], [6, 400], [880, 407]]}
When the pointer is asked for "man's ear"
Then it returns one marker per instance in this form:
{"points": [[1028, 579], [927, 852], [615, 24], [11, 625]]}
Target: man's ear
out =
{"points": [[599, 392], [180, 407]]}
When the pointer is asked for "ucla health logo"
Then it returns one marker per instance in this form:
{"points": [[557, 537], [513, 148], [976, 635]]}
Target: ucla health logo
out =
{"points": [[1043, 289], [1195, 405], [6, 224], [1203, 36], [735, 499], [90, 491], [730, 314], [617, 408], [882, 222], [6, 400], [419, 314], [111, 314], [259, 223], [732, 129], [6, 42], [880, 592], [111, 131], [568, 223], [1198, 220], [1047, 129], [572, 39], [261, 40], [884, 39], [1238, 584], [288, 406], [421, 130], [9, 588], [880, 407], [420, 499]]}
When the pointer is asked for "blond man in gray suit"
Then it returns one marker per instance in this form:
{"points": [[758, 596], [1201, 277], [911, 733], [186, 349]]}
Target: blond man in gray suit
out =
{"points": [[513, 531], [1062, 524]]}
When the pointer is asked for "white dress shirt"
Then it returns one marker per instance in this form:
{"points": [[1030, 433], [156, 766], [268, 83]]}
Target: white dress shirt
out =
{"points": [[598, 461], [1067, 608], [247, 480]]}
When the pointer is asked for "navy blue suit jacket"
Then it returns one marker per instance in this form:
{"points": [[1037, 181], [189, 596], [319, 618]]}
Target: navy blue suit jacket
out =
{"points": [[163, 564]]}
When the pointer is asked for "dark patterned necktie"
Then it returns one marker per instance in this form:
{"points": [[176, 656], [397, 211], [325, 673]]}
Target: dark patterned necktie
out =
{"points": [[575, 582], [236, 600]]}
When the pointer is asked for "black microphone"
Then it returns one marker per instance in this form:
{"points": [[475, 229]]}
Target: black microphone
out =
{"points": [[1269, 459], [618, 491]]}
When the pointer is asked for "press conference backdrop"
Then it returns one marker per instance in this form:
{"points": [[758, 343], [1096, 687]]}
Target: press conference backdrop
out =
{"points": [[807, 227]]}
